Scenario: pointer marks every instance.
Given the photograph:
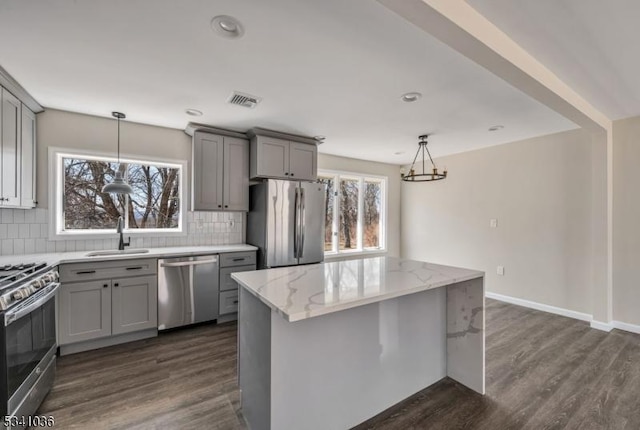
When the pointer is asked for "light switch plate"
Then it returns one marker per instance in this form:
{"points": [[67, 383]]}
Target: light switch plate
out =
{"points": [[493, 223], [500, 270]]}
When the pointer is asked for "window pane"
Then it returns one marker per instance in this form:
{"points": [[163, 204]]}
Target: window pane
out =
{"points": [[84, 204], [155, 201], [348, 214], [328, 213], [371, 216]]}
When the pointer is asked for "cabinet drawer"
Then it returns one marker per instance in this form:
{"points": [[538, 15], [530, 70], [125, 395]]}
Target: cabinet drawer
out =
{"points": [[228, 284], [107, 269], [228, 302], [238, 259]]}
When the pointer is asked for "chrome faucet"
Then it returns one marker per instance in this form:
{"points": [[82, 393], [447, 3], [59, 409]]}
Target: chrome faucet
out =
{"points": [[120, 229]]}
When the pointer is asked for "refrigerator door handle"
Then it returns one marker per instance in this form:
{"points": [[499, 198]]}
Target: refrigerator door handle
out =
{"points": [[303, 221], [296, 222]]}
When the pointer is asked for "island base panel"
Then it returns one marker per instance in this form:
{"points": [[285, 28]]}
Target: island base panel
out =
{"points": [[337, 370], [466, 334]]}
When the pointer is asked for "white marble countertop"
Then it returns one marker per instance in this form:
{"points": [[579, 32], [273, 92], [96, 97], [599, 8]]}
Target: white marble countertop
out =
{"points": [[302, 292], [81, 256]]}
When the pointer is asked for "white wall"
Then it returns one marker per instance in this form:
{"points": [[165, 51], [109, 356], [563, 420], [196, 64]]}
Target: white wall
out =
{"points": [[392, 172], [539, 190]]}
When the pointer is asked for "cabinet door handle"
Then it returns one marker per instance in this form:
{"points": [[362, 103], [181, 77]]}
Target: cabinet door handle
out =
{"points": [[235, 302], [238, 259], [219, 206], [226, 206], [105, 285], [286, 174], [116, 285], [291, 174], [134, 268], [86, 272]]}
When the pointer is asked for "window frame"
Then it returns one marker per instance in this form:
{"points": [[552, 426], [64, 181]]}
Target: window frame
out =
{"points": [[56, 184], [361, 177]]}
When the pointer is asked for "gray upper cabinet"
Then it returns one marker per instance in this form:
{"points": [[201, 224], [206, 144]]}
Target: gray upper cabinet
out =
{"points": [[235, 196], [220, 174], [10, 150], [278, 158], [303, 161], [208, 173], [28, 159]]}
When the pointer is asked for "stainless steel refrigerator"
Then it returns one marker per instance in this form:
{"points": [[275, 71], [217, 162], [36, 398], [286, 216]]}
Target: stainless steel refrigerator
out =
{"points": [[286, 222]]}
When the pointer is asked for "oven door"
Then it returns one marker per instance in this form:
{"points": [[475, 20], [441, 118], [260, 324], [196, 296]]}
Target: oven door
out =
{"points": [[30, 336]]}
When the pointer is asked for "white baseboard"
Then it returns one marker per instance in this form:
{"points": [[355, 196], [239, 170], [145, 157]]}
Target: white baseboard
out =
{"points": [[541, 307], [626, 327], [599, 325]]}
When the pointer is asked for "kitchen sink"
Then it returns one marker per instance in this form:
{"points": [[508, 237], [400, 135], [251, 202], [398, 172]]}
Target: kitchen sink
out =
{"points": [[116, 252]]}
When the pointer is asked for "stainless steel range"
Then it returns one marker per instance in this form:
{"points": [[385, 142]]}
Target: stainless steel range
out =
{"points": [[27, 336]]}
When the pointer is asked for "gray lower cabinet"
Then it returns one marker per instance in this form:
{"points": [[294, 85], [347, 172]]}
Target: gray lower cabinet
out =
{"points": [[85, 311], [99, 312], [134, 304], [231, 263]]}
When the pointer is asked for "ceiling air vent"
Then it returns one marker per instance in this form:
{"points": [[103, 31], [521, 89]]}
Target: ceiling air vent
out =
{"points": [[242, 99]]}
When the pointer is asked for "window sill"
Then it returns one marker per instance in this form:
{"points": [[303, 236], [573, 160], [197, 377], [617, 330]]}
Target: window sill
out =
{"points": [[347, 255]]}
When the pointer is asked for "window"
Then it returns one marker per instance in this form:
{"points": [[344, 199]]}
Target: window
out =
{"points": [[355, 212], [154, 206]]}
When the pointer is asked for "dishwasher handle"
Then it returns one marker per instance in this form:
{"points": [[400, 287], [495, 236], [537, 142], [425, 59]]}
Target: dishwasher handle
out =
{"points": [[189, 263]]}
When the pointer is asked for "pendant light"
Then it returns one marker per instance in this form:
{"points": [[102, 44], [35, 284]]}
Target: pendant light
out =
{"points": [[119, 185], [434, 175]]}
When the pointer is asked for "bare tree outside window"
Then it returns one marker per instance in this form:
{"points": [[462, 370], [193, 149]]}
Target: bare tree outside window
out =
{"points": [[372, 207], [349, 213], [328, 212], [347, 196], [154, 202]]}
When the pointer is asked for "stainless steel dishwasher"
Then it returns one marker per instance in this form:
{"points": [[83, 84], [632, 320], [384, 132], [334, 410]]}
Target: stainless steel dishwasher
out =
{"points": [[187, 290]]}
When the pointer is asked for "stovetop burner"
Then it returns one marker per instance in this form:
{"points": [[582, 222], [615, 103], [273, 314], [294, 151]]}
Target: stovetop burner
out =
{"points": [[10, 273]]}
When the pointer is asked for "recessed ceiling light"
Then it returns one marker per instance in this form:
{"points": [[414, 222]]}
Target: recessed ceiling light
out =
{"points": [[193, 112], [496, 128], [398, 153], [411, 97], [227, 26]]}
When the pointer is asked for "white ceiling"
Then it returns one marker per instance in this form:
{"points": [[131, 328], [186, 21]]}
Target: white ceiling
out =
{"points": [[592, 45], [335, 68]]}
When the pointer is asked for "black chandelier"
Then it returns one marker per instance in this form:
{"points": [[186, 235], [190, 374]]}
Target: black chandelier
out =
{"points": [[425, 176]]}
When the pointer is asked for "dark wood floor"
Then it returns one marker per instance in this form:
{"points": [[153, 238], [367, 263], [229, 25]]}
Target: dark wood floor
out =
{"points": [[543, 372]]}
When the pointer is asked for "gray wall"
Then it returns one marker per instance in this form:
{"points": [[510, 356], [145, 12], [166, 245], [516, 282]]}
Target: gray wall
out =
{"points": [[626, 220], [78, 131], [539, 190]]}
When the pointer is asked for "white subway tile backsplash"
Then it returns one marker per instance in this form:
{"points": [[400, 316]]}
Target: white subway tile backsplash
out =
{"points": [[29, 246], [41, 245], [23, 231], [18, 246], [6, 216], [13, 231], [29, 216], [27, 231]]}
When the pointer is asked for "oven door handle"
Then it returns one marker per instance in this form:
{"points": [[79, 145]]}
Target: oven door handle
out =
{"points": [[14, 314]]}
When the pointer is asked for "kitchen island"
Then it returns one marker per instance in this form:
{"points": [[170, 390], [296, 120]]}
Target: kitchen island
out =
{"points": [[329, 345]]}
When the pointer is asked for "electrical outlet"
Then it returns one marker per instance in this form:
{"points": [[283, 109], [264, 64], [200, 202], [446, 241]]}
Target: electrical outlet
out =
{"points": [[199, 224], [232, 223], [493, 223], [500, 270]]}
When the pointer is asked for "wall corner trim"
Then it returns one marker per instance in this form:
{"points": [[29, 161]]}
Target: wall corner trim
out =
{"points": [[599, 325], [541, 307]]}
